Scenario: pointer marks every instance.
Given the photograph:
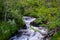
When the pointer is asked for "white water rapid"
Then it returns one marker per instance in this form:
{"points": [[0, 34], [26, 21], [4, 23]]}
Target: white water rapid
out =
{"points": [[31, 33]]}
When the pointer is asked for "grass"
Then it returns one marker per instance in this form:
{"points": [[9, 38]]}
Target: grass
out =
{"points": [[56, 36]]}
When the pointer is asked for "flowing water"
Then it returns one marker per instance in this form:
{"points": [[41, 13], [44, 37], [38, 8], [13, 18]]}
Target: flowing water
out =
{"points": [[28, 20], [31, 33]]}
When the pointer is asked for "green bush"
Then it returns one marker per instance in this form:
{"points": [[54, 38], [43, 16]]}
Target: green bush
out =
{"points": [[7, 29], [47, 12]]}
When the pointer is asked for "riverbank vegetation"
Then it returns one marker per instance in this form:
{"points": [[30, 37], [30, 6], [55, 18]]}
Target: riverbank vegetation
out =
{"points": [[46, 12]]}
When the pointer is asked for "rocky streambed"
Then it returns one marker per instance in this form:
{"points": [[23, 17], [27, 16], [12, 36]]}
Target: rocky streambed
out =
{"points": [[32, 32]]}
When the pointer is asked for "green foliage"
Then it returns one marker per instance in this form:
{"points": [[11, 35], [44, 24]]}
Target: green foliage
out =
{"points": [[7, 29], [13, 16], [47, 12], [56, 36], [2, 9], [15, 11]]}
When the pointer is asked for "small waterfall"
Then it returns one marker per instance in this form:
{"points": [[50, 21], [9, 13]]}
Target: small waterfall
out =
{"points": [[28, 20], [33, 33]]}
